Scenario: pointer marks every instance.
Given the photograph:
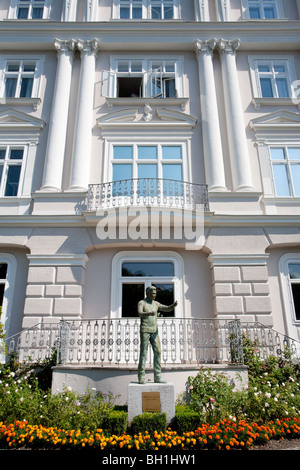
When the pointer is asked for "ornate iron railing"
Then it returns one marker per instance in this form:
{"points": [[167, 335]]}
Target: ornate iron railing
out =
{"points": [[147, 192], [107, 342]]}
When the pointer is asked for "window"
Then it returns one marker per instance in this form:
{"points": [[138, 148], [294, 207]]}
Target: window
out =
{"points": [[11, 165], [21, 77], [143, 78], [138, 275], [146, 9], [263, 9], [8, 268], [286, 170], [272, 78], [133, 272], [294, 282], [29, 9], [148, 162]]}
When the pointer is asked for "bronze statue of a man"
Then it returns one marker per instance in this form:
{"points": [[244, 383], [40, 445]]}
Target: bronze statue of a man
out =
{"points": [[148, 310]]}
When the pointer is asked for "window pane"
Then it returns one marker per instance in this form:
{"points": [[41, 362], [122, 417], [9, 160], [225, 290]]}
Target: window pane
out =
{"points": [[279, 68], [148, 268], [123, 152], [136, 12], [122, 172], [269, 12], [3, 270], [254, 12], [172, 172], [294, 271], [281, 180], [147, 152], [124, 12], [294, 153], [295, 170], [123, 66], [266, 88], [156, 13], [2, 154], [23, 13], [282, 88], [165, 296], [131, 295], [29, 67], [12, 183], [296, 298], [2, 288], [26, 87], [13, 67], [277, 153], [263, 68], [168, 13], [171, 152], [10, 87], [16, 154], [169, 88], [37, 13], [147, 171]]}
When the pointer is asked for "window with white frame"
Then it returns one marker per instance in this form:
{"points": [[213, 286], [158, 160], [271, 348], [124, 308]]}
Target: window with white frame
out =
{"points": [[272, 77], [11, 169], [263, 9], [8, 267], [146, 162], [143, 78], [294, 285], [285, 162], [20, 78], [29, 9], [146, 9], [133, 272]]}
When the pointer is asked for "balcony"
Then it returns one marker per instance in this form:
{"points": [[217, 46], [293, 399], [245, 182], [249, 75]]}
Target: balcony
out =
{"points": [[145, 192], [115, 342]]}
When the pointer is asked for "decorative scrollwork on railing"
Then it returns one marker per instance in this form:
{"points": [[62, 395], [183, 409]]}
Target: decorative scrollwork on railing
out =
{"points": [[147, 192]]}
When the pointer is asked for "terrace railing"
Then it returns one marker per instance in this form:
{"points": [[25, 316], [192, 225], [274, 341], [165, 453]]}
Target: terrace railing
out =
{"points": [[147, 192], [107, 342]]}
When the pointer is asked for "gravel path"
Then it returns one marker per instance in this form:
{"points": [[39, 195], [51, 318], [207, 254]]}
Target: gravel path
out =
{"points": [[282, 444]]}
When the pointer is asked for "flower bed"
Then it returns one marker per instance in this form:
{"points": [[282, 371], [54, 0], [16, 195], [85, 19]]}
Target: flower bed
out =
{"points": [[225, 435]]}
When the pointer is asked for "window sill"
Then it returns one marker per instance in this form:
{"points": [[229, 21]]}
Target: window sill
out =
{"points": [[258, 102], [182, 102], [34, 102]]}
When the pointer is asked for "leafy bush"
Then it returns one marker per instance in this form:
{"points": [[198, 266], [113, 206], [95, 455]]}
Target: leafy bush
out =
{"points": [[115, 422], [210, 395], [186, 419], [150, 422], [273, 390]]}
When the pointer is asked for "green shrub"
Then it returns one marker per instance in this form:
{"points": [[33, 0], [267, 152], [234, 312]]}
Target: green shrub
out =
{"points": [[149, 422], [186, 419], [115, 422]]}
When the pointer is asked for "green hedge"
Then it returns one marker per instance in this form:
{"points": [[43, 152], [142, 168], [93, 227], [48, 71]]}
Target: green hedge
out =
{"points": [[149, 422], [115, 422], [186, 419]]}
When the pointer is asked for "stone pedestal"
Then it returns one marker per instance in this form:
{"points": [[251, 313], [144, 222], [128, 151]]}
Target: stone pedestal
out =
{"points": [[151, 397]]}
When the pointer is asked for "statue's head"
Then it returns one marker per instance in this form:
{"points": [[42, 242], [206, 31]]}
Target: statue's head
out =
{"points": [[151, 292]]}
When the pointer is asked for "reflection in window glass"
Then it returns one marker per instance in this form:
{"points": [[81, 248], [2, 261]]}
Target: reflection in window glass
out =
{"points": [[144, 268]]}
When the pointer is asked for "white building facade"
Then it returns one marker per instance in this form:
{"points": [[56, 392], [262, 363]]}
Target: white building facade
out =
{"points": [[148, 142]]}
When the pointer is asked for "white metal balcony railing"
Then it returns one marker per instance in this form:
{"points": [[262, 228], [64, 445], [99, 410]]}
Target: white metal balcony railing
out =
{"points": [[148, 192], [107, 342]]}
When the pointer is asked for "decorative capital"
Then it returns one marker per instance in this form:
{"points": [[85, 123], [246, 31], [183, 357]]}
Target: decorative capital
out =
{"points": [[227, 46], [88, 47], [205, 46], [64, 47]]}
